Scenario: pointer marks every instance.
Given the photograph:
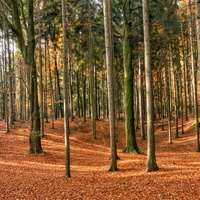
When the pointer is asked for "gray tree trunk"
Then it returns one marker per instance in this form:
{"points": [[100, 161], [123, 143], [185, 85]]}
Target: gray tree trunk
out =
{"points": [[194, 81], [151, 154], [66, 92], [107, 7]]}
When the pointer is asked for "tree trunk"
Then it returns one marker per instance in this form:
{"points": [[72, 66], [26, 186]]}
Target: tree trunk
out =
{"points": [[71, 100], [141, 101], [6, 105], [197, 2], [107, 6], [46, 87], [151, 154], [93, 102], [194, 81], [41, 87], [167, 91], [27, 48], [35, 140], [51, 87], [10, 82], [131, 144], [66, 92]]}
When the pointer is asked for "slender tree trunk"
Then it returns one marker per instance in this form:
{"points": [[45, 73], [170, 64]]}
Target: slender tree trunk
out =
{"points": [[184, 76], [167, 91], [93, 101], [84, 96], [175, 95], [55, 95], [71, 100], [161, 98], [59, 96], [197, 2], [151, 154], [141, 101], [46, 87], [10, 82], [181, 102], [78, 109], [6, 102], [41, 87], [109, 62], [66, 92], [51, 87], [194, 81]]}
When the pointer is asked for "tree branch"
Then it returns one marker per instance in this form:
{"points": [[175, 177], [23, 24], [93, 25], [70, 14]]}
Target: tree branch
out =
{"points": [[117, 28], [23, 16], [10, 25]]}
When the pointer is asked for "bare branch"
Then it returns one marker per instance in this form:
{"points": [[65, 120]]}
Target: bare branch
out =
{"points": [[6, 5]]}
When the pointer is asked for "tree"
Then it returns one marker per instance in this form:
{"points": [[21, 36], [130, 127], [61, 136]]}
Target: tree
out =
{"points": [[131, 144], [109, 62], [197, 2], [151, 157], [141, 100], [194, 81], [26, 44], [66, 91]]}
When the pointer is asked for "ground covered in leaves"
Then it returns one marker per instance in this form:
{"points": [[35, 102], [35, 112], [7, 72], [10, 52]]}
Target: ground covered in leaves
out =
{"points": [[27, 176]]}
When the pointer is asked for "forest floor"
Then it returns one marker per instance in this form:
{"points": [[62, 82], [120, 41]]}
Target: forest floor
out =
{"points": [[27, 176]]}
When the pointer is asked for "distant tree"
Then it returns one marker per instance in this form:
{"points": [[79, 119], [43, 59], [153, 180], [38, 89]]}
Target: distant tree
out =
{"points": [[141, 100]]}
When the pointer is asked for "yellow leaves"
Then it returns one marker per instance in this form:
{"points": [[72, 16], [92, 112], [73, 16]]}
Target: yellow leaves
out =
{"points": [[156, 27]]}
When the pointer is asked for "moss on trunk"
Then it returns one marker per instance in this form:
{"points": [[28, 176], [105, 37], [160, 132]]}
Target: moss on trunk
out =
{"points": [[131, 145]]}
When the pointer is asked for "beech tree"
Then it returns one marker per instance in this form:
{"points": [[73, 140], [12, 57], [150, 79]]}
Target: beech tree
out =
{"points": [[131, 145], [151, 157], [194, 81], [197, 2], [66, 91], [109, 62], [126, 34], [26, 44]]}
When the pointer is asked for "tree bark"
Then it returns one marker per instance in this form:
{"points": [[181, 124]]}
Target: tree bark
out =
{"points": [[194, 81], [107, 7], [66, 92], [131, 144], [151, 154], [141, 101]]}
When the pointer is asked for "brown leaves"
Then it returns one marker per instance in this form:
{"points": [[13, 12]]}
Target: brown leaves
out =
{"points": [[27, 176]]}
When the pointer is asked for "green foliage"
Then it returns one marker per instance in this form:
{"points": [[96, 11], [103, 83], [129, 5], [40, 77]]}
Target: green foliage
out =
{"points": [[51, 20]]}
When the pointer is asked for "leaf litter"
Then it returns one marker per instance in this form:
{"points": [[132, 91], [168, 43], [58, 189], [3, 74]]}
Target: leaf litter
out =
{"points": [[32, 177]]}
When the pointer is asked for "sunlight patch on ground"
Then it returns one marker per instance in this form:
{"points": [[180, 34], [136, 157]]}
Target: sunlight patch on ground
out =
{"points": [[88, 168], [32, 165], [89, 150], [182, 140]]}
